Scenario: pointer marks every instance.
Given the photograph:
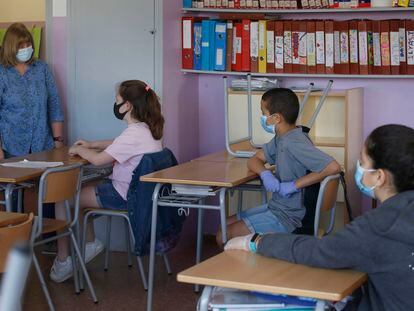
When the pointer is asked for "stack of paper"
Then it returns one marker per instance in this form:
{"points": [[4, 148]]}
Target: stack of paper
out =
{"points": [[32, 164], [193, 190], [257, 83]]}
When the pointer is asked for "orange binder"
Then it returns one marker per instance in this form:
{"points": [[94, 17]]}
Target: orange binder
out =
{"points": [[337, 47], [409, 27], [395, 47], [363, 47], [229, 47], [187, 41], [295, 46], [320, 46], [311, 46], [245, 57], [353, 48], [330, 47], [279, 47], [237, 47], [403, 48], [376, 41], [254, 46], [270, 46], [385, 47], [287, 46]]}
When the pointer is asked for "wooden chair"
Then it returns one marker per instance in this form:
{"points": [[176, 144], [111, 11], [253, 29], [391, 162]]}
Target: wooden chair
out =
{"points": [[10, 235], [326, 202], [61, 184]]}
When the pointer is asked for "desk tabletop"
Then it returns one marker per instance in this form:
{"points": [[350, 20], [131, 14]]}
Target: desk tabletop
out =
{"points": [[11, 218], [203, 173], [16, 175], [248, 271], [224, 156]]}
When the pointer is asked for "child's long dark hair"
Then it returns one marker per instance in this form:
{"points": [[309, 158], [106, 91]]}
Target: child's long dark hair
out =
{"points": [[391, 147], [145, 105]]}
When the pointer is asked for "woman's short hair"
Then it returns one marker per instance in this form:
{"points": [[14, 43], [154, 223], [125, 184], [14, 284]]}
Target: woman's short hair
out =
{"points": [[391, 147], [16, 35]]}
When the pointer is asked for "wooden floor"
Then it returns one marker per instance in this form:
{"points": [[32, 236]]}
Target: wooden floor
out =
{"points": [[120, 287]]}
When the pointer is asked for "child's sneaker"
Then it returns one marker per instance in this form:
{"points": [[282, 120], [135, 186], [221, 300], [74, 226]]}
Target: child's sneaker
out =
{"points": [[93, 249], [61, 270]]}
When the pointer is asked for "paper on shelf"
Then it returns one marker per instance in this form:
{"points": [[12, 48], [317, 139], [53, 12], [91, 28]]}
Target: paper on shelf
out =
{"points": [[32, 164]]}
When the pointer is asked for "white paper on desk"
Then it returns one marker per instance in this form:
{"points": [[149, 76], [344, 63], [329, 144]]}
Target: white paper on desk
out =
{"points": [[32, 164]]}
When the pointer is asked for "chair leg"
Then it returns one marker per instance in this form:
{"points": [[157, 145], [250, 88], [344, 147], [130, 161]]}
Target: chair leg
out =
{"points": [[167, 264], [83, 241], [83, 266], [108, 241], [142, 273], [128, 243], [43, 283], [75, 268]]}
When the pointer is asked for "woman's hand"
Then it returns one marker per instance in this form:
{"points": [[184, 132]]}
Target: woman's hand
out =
{"points": [[240, 242], [83, 143], [73, 150], [58, 144], [1, 154]]}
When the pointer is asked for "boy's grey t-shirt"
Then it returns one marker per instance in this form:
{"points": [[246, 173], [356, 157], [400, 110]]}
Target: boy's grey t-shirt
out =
{"points": [[293, 154]]}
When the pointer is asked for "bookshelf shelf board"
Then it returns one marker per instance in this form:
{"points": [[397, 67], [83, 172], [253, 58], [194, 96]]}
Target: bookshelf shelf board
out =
{"points": [[296, 75], [293, 11]]}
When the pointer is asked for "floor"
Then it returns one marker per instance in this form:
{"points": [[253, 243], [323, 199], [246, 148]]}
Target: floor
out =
{"points": [[120, 288]]}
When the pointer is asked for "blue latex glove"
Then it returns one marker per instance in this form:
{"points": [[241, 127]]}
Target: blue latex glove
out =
{"points": [[270, 182], [286, 189]]}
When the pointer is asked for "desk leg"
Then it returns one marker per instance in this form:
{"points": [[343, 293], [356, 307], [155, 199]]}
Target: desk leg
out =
{"points": [[199, 239], [152, 246], [8, 197], [205, 297], [223, 214]]}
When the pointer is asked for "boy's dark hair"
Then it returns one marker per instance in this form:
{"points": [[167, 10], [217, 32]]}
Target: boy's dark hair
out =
{"points": [[391, 147], [145, 105], [282, 101]]}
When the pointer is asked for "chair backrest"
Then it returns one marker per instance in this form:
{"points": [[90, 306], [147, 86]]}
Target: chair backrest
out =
{"points": [[327, 197], [10, 235], [59, 184]]}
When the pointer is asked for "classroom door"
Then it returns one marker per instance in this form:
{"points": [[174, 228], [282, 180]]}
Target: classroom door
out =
{"points": [[110, 41]]}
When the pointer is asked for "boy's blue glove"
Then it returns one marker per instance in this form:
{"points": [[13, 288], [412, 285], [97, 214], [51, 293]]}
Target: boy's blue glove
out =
{"points": [[270, 182], [286, 189]]}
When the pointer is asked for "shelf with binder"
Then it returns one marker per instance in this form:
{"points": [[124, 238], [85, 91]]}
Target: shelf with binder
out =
{"points": [[295, 75], [294, 11]]}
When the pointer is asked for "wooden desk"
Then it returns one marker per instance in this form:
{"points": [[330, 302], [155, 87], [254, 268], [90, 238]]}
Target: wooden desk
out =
{"points": [[247, 271], [202, 173], [223, 175], [11, 176], [7, 218], [17, 175]]}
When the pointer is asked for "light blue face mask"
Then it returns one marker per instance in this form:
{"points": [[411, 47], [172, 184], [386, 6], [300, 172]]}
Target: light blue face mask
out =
{"points": [[23, 55], [268, 128], [359, 173]]}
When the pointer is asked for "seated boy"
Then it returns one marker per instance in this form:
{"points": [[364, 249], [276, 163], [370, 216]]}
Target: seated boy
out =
{"points": [[293, 154]]}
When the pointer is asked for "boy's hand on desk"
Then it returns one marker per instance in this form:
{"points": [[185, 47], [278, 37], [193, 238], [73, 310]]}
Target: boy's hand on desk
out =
{"points": [[240, 242], [287, 189], [270, 182], [83, 143]]}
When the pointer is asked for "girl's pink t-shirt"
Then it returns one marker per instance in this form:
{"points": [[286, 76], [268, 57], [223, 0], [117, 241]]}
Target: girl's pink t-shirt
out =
{"points": [[127, 150]]}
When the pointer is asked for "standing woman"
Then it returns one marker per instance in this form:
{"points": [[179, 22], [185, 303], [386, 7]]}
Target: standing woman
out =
{"points": [[31, 118]]}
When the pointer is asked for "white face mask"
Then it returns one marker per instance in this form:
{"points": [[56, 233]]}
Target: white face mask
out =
{"points": [[23, 55]]}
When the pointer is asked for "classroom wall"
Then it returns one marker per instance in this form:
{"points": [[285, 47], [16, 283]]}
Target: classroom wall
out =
{"points": [[180, 92], [22, 10]]}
